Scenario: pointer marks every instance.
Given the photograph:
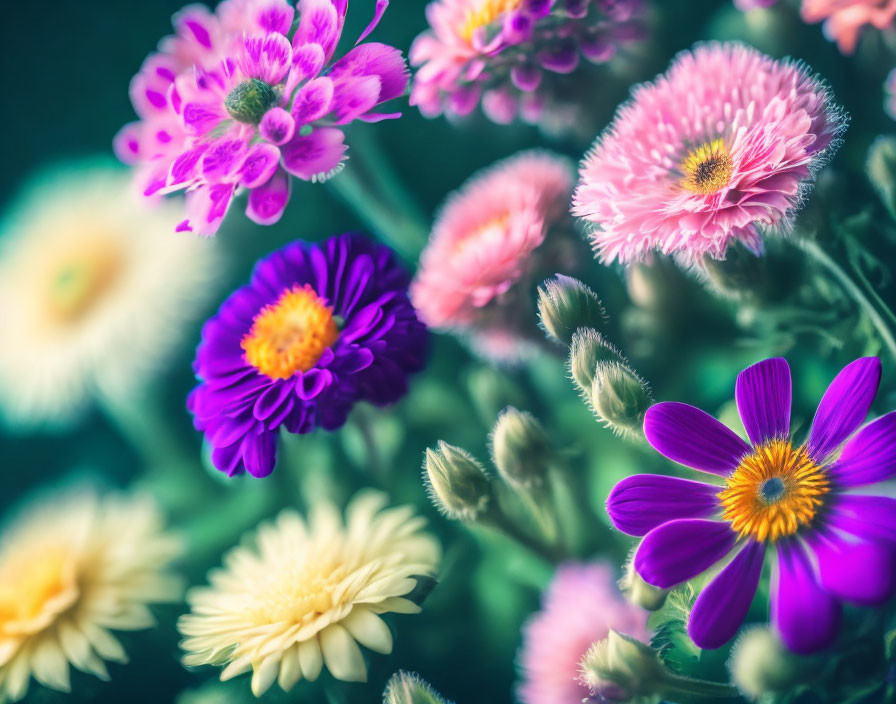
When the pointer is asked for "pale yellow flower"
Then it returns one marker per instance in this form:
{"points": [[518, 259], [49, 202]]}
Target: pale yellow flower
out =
{"points": [[302, 595], [73, 568]]}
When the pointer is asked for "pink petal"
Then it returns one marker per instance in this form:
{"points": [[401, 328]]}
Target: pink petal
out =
{"points": [[315, 156], [313, 100], [267, 203]]}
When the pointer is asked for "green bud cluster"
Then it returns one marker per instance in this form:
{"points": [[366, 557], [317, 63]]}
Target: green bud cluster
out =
{"points": [[521, 451], [457, 483], [566, 304]]}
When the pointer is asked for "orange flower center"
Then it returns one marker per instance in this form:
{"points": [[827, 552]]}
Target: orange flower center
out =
{"points": [[483, 13], [707, 169], [291, 334], [774, 491]]}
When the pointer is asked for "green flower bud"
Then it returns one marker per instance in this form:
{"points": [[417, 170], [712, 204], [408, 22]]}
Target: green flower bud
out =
{"points": [[408, 688], [587, 350], [881, 171], [621, 668], [761, 664], [619, 397], [566, 304], [521, 450], [639, 592], [250, 100], [457, 483]]}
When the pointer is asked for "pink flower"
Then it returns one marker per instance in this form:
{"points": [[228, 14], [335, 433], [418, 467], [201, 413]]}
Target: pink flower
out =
{"points": [[238, 101], [890, 94], [746, 5], [484, 241], [503, 52], [722, 147], [580, 607], [845, 19]]}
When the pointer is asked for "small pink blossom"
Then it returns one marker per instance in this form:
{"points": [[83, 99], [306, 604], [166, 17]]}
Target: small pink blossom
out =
{"points": [[721, 148], [237, 101], [890, 94], [844, 20], [580, 607]]}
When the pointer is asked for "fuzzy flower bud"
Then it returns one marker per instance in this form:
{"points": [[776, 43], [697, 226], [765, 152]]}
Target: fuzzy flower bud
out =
{"points": [[408, 688], [457, 483], [588, 349], [566, 304], [881, 170], [619, 397], [521, 450], [619, 668], [760, 664], [639, 592]]}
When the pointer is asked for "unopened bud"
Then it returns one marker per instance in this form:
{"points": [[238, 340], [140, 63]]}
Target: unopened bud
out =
{"points": [[619, 397], [620, 667], [521, 450], [566, 304], [761, 664], [740, 276], [408, 688], [881, 171], [639, 592], [456, 482], [588, 349]]}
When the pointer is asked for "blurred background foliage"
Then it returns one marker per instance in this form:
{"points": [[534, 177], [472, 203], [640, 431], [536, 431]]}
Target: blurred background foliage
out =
{"points": [[67, 69]]}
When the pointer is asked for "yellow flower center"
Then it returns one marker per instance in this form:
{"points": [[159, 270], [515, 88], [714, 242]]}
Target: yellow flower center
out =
{"points": [[80, 280], [291, 334], [707, 169], [301, 594], [28, 583], [483, 14], [774, 491]]}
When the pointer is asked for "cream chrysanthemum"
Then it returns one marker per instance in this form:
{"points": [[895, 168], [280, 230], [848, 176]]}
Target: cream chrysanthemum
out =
{"points": [[94, 291], [72, 568], [304, 595]]}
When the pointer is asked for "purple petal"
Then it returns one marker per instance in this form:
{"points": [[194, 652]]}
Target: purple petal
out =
{"points": [[277, 126], [844, 406], [375, 59], [867, 517], [805, 616], [195, 22], [222, 158], [313, 100], [563, 59], [526, 77], [207, 205], [860, 572], [266, 57], [763, 395], [200, 118], [378, 11], [870, 455], [693, 438], [354, 359], [260, 453], [517, 27], [228, 459], [681, 549], [723, 604], [259, 165], [640, 503], [499, 106], [307, 62], [276, 16], [270, 400], [354, 96], [267, 203], [312, 382], [315, 157], [318, 24]]}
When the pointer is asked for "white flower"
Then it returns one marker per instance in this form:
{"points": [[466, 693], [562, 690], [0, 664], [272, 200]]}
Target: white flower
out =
{"points": [[303, 595], [95, 291], [72, 568]]}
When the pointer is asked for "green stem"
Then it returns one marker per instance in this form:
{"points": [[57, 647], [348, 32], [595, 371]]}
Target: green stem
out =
{"points": [[498, 520], [679, 684], [812, 248]]}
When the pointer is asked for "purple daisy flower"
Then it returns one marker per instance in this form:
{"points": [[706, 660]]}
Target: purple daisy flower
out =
{"points": [[318, 328], [243, 98], [834, 539]]}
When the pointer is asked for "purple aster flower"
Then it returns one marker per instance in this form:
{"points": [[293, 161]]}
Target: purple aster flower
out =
{"points": [[318, 328], [240, 99], [835, 541]]}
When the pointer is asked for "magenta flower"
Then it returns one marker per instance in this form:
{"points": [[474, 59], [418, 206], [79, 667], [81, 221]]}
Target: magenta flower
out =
{"points": [[812, 503], [484, 242], [844, 20], [504, 51], [721, 148], [238, 101], [580, 607]]}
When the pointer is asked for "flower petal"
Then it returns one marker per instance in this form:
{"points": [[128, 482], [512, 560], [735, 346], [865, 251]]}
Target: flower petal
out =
{"points": [[844, 406], [316, 156], [870, 455], [267, 203], [805, 616], [867, 517], [723, 604], [679, 550], [763, 394], [342, 655], [857, 571], [640, 503], [693, 438]]}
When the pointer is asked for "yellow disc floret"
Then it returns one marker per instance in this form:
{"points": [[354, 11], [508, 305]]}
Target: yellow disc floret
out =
{"points": [[774, 491], [707, 169], [291, 334], [484, 13]]}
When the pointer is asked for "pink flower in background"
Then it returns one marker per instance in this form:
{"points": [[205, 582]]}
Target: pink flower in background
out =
{"points": [[232, 102], [484, 239], [501, 52], [580, 607], [890, 94], [721, 148], [746, 5], [844, 20]]}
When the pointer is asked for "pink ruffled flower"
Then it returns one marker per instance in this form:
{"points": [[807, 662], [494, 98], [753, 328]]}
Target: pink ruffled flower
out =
{"points": [[237, 100], [721, 148], [502, 52], [484, 242], [580, 607], [844, 20]]}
